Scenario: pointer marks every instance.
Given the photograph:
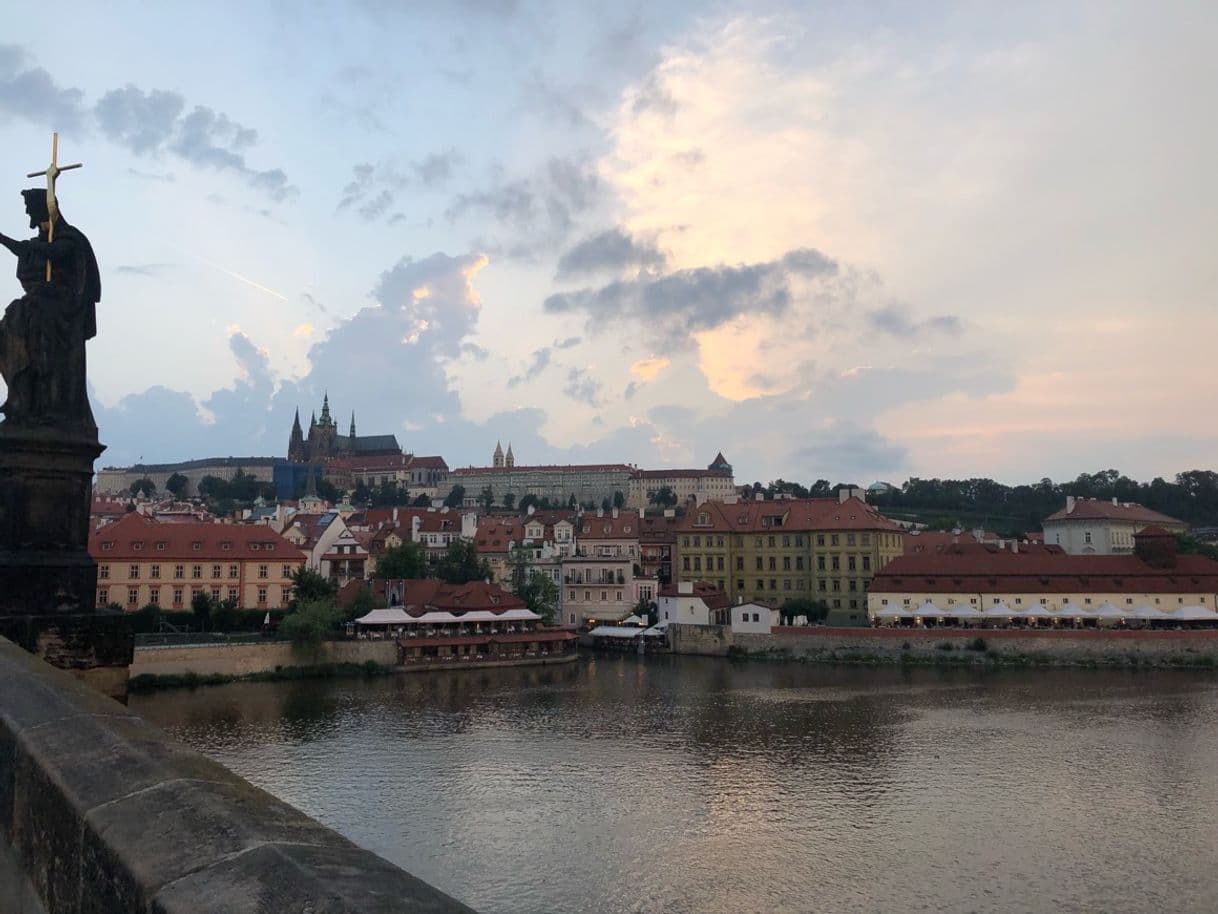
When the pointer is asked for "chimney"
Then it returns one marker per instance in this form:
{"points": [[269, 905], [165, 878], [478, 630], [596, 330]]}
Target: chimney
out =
{"points": [[685, 587], [1015, 546], [395, 515], [1114, 500], [842, 495], [532, 508], [670, 512], [615, 513], [1069, 504], [759, 496], [600, 512]]}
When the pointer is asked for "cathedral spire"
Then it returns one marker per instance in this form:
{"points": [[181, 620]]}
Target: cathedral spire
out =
{"points": [[325, 409], [497, 459], [352, 427]]}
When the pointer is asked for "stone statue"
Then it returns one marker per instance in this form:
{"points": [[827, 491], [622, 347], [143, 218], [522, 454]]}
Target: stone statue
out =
{"points": [[43, 333]]}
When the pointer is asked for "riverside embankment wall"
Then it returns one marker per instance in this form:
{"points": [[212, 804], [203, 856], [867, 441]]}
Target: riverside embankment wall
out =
{"points": [[250, 658], [843, 645], [102, 812]]}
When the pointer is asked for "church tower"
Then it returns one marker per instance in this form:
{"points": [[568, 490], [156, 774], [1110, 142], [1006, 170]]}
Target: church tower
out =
{"points": [[296, 443], [497, 460], [510, 459], [352, 428]]}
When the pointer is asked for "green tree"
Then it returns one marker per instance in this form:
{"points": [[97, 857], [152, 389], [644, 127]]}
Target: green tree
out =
{"points": [[537, 589], [572, 503], [455, 497], [407, 561], [308, 586], [509, 501], [308, 626], [213, 488], [663, 497], [606, 504], [422, 501], [225, 616], [201, 605], [364, 602], [361, 494], [619, 500], [487, 498], [460, 564], [145, 487], [646, 609], [528, 501], [813, 610], [176, 485]]}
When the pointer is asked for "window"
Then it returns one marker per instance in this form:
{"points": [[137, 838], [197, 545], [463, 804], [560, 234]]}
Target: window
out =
{"points": [[133, 572], [196, 571], [758, 562], [719, 541], [905, 601], [232, 594], [685, 563], [834, 540], [786, 563], [156, 572], [233, 571], [215, 571], [853, 585], [196, 546], [866, 563], [619, 596], [103, 571], [739, 584], [1087, 537], [820, 563], [866, 539], [786, 541], [103, 596], [773, 583], [215, 593], [820, 539], [261, 595], [799, 563], [263, 571], [771, 542], [684, 539], [837, 585], [799, 540], [760, 584], [570, 594], [604, 596], [697, 563], [837, 563], [773, 564], [133, 596], [821, 585], [786, 583], [883, 602], [850, 563], [287, 571], [106, 547], [154, 595], [719, 563], [849, 539], [177, 596], [179, 571], [697, 542]]}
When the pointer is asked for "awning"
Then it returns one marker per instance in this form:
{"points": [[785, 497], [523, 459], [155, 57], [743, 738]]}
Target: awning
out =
{"points": [[893, 612], [385, 617], [1149, 613], [1107, 611], [963, 611], [617, 631], [1000, 609], [1074, 612], [928, 610], [1193, 614], [1036, 611]]}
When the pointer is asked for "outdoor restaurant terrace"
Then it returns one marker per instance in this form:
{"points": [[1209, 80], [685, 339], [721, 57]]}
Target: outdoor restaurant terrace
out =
{"points": [[999, 615]]}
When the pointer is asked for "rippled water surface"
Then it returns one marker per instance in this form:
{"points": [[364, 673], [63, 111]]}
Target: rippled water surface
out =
{"points": [[682, 784]]}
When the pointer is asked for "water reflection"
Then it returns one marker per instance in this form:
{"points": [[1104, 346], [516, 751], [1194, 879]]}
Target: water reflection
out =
{"points": [[672, 784]]}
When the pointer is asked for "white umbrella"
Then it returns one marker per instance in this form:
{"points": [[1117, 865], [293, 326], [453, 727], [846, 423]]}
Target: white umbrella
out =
{"points": [[1193, 614], [1036, 611], [929, 610], [1149, 613], [999, 609], [267, 620]]}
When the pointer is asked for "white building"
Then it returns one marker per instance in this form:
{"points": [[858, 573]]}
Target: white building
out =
{"points": [[756, 618], [692, 603], [1095, 526]]}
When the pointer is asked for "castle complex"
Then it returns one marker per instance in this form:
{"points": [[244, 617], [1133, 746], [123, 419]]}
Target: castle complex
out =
{"points": [[324, 441]]}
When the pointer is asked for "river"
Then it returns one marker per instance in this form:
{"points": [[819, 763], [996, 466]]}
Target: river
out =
{"points": [[700, 786]]}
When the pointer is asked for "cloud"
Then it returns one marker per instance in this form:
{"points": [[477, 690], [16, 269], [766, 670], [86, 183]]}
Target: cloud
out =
{"points": [[144, 269], [533, 214], [303, 330], [437, 168], [568, 342], [845, 448], [374, 188], [611, 251], [896, 321], [537, 364], [31, 92], [582, 387], [683, 302], [649, 369], [146, 123]]}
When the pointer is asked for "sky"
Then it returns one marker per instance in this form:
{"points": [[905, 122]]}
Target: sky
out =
{"points": [[837, 241]]}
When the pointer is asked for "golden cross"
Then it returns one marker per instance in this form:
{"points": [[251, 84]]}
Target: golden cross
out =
{"points": [[52, 172]]}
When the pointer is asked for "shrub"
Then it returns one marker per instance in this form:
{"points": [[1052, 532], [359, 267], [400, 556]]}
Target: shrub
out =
{"points": [[945, 646], [978, 645]]}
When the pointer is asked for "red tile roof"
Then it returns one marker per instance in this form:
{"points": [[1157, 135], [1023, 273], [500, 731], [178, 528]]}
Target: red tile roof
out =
{"points": [[428, 463], [429, 594], [547, 468], [788, 514], [1041, 569], [623, 527], [495, 534], [1101, 509], [134, 538], [934, 540], [678, 474], [712, 596]]}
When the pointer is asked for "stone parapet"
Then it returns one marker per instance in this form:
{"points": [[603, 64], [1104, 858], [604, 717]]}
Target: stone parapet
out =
{"points": [[102, 812]]}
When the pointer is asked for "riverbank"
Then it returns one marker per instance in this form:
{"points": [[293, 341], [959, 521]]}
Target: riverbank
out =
{"points": [[188, 666], [955, 647]]}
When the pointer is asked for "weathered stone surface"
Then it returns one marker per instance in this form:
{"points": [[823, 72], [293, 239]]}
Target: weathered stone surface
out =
{"points": [[322, 880], [104, 813]]}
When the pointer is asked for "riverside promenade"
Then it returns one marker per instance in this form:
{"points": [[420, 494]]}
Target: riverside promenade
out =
{"points": [[1082, 647]]}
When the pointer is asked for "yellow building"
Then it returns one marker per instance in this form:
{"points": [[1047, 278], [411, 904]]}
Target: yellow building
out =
{"points": [[140, 561], [818, 548]]}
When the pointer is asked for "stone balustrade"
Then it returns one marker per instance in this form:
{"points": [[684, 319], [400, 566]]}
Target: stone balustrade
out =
{"points": [[102, 812]]}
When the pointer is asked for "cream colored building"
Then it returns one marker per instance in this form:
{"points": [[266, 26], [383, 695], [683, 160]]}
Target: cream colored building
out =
{"points": [[140, 561], [715, 483], [1097, 526]]}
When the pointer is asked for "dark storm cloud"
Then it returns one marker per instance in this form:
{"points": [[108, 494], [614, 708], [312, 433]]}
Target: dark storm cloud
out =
{"points": [[697, 299], [612, 251], [896, 321], [31, 92]]}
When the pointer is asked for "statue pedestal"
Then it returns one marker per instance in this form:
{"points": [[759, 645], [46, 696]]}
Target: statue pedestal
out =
{"points": [[48, 581]]}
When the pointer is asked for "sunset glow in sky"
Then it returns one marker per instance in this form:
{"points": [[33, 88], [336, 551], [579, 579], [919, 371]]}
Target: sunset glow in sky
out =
{"points": [[916, 239]]}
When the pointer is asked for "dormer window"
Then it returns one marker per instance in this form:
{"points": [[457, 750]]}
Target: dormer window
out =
{"points": [[225, 547], [196, 545], [106, 547], [137, 546], [160, 547]]}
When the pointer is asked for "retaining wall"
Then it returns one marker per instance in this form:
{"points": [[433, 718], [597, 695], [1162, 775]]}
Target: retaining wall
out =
{"points": [[880, 644], [101, 812], [257, 657]]}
